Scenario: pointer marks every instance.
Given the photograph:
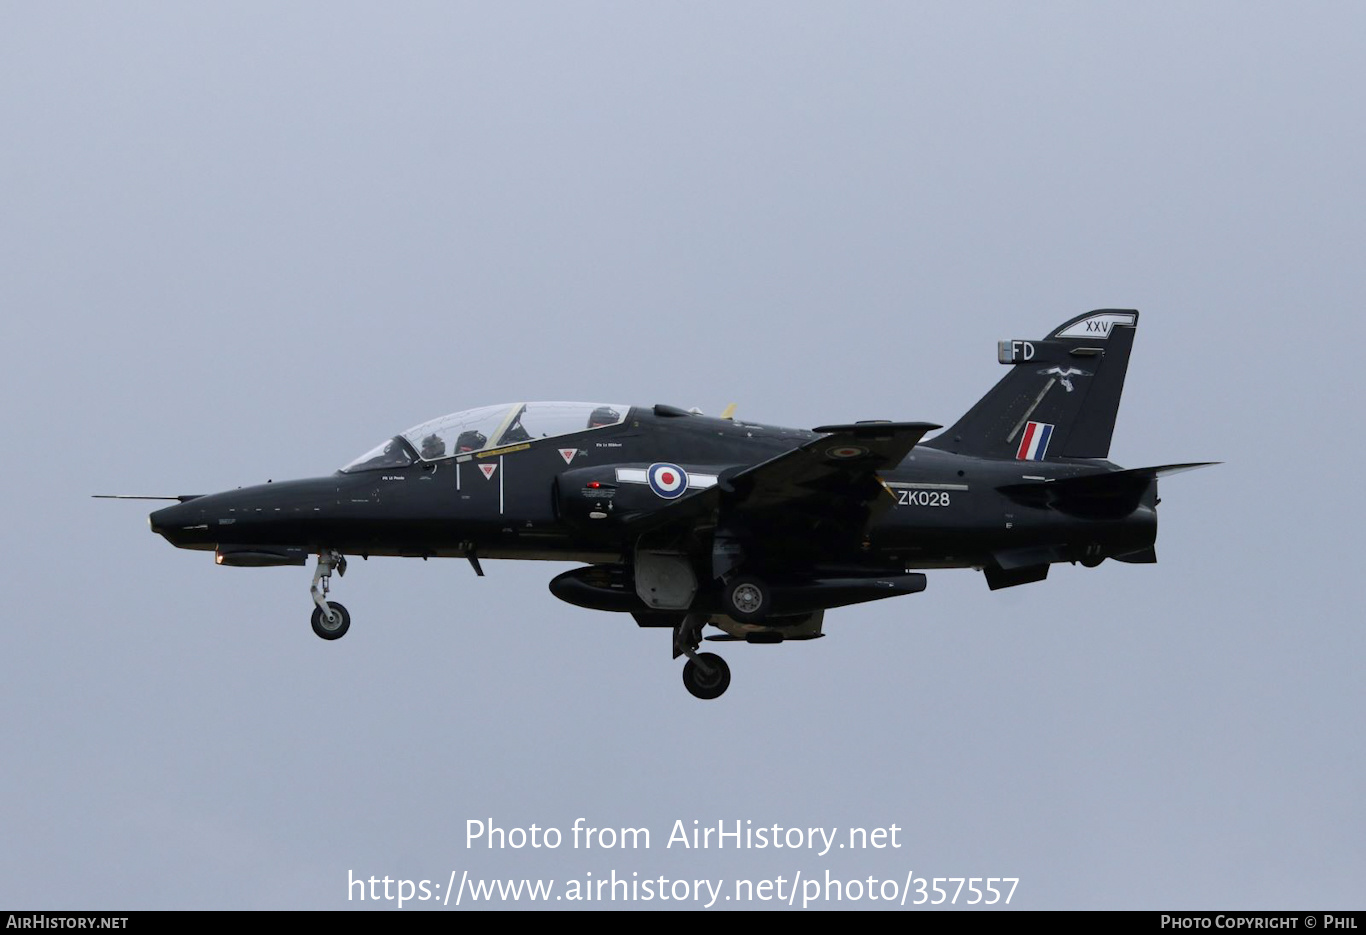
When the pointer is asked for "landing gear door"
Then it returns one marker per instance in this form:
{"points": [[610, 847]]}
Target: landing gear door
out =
{"points": [[665, 580]]}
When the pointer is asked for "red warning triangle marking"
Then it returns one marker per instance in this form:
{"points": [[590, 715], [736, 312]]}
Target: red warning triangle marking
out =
{"points": [[488, 469], [568, 454]]}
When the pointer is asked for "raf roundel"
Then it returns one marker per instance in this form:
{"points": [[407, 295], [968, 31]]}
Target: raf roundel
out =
{"points": [[844, 452], [668, 480]]}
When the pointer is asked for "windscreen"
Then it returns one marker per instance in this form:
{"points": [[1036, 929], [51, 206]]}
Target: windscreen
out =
{"points": [[393, 453]]}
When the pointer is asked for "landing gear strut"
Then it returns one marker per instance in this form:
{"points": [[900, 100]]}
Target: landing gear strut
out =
{"points": [[705, 675], [330, 619]]}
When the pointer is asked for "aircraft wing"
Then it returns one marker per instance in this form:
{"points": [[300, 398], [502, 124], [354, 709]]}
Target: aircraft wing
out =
{"points": [[828, 479]]}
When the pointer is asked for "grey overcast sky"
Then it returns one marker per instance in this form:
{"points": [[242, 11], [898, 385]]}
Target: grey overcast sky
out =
{"points": [[247, 241]]}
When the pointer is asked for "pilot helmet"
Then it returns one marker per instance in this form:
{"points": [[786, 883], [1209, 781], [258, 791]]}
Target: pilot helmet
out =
{"points": [[433, 446], [603, 415], [471, 440]]}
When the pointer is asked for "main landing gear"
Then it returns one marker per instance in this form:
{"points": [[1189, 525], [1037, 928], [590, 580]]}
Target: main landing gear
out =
{"points": [[705, 675], [747, 599], [330, 619]]}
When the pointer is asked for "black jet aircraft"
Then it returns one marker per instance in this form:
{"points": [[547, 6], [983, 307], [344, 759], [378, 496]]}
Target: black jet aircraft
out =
{"points": [[685, 521]]}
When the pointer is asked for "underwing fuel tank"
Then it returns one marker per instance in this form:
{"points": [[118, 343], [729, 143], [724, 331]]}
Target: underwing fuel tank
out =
{"points": [[824, 593], [599, 587], [612, 588]]}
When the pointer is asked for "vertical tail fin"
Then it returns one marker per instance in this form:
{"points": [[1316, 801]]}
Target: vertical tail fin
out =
{"points": [[1059, 399]]}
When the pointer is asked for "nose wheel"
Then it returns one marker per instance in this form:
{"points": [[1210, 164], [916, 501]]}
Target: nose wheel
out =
{"points": [[330, 619], [331, 627], [706, 675]]}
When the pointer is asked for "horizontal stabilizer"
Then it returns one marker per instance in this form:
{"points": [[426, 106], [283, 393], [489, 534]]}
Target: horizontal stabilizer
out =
{"points": [[1141, 557], [1165, 470], [1112, 494]]}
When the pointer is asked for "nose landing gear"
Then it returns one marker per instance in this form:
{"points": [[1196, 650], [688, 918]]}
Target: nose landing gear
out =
{"points": [[705, 675], [330, 619], [333, 627]]}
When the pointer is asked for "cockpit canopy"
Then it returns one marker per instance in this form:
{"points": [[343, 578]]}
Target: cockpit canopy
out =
{"points": [[487, 427]]}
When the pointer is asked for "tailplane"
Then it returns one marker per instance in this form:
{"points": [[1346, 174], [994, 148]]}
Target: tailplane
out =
{"points": [[1110, 495], [1059, 399]]}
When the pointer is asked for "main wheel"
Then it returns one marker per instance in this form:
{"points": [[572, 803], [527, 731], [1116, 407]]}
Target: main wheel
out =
{"points": [[335, 628], [704, 684], [747, 599]]}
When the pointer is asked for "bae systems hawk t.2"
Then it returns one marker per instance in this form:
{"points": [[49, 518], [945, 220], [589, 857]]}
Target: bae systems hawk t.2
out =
{"points": [[685, 521]]}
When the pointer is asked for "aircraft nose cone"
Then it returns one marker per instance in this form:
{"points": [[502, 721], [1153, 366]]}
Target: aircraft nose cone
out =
{"points": [[178, 524], [164, 518]]}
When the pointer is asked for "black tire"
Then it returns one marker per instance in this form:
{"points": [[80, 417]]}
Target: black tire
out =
{"points": [[747, 599], [329, 630], [703, 684]]}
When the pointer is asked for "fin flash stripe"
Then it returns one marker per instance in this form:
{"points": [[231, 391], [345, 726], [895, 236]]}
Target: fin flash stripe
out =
{"points": [[1034, 444]]}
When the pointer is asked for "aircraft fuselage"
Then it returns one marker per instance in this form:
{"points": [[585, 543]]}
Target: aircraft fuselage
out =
{"points": [[686, 521], [940, 509]]}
